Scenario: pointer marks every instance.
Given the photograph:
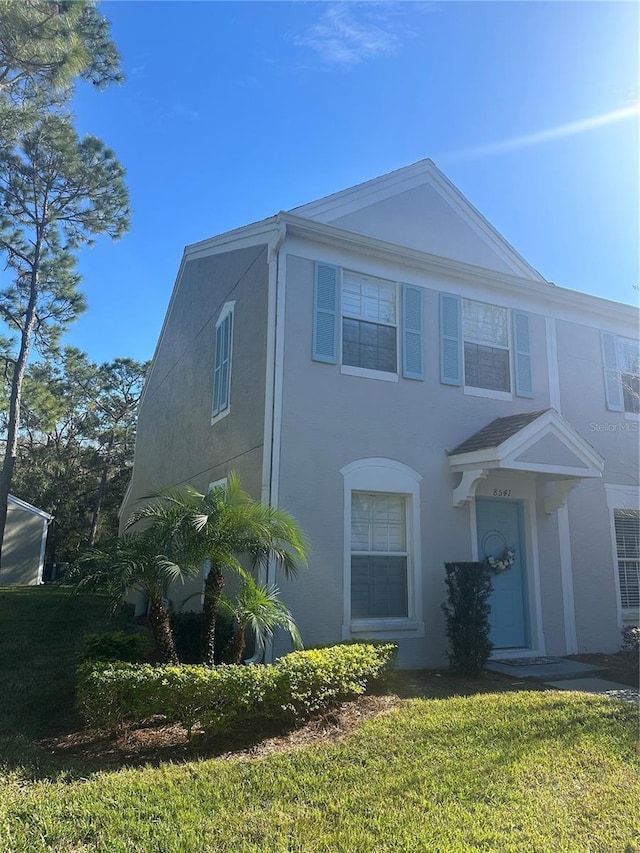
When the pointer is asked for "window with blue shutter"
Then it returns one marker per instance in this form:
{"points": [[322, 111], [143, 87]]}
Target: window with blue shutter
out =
{"points": [[450, 340], [522, 354], [222, 367], [364, 310]]}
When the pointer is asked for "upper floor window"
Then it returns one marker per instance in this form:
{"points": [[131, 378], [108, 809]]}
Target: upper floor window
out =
{"points": [[486, 346], [627, 526], [222, 368], [622, 373], [629, 360], [369, 323], [371, 326]]}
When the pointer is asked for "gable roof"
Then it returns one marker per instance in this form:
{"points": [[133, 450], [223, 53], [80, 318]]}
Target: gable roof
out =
{"points": [[343, 207], [521, 443], [494, 433]]}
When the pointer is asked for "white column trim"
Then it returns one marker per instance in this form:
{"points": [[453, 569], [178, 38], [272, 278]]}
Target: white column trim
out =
{"points": [[566, 578], [273, 389], [552, 364]]}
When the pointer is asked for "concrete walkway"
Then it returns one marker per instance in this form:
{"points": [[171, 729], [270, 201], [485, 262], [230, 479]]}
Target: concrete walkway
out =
{"points": [[600, 686], [563, 674], [543, 669]]}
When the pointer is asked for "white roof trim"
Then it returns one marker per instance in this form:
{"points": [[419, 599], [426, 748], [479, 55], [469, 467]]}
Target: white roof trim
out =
{"points": [[425, 172], [29, 507], [333, 236]]}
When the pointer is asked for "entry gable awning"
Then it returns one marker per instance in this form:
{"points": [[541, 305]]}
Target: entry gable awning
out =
{"points": [[541, 442]]}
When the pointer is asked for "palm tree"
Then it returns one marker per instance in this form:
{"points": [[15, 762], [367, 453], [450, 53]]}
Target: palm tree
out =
{"points": [[149, 562], [258, 607], [229, 525]]}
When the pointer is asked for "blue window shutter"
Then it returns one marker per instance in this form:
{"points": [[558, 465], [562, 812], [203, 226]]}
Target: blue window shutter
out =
{"points": [[522, 354], [412, 332], [612, 383], [325, 313], [450, 340]]}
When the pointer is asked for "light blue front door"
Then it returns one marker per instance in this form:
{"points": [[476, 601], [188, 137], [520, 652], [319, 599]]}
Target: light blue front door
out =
{"points": [[499, 524]]}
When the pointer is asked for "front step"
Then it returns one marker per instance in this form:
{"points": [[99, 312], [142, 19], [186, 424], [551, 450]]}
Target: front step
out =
{"points": [[543, 669]]}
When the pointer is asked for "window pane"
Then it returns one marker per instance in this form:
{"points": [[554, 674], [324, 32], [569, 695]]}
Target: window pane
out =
{"points": [[368, 345], [369, 299], [486, 324], [389, 527], [486, 367], [378, 587], [627, 525], [629, 355], [629, 574], [631, 393]]}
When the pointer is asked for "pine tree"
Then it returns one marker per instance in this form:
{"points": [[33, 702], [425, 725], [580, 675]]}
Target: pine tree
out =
{"points": [[57, 192]]}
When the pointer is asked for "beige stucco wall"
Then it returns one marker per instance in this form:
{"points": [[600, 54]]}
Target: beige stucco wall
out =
{"points": [[176, 442], [331, 419], [421, 219], [615, 437]]}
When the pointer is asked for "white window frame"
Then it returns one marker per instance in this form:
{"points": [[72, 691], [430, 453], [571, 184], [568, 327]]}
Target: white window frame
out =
{"points": [[491, 393], [621, 497], [367, 373], [227, 311], [385, 476]]}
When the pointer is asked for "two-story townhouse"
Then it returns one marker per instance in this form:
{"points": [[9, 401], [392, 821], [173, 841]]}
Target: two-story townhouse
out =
{"points": [[385, 365]]}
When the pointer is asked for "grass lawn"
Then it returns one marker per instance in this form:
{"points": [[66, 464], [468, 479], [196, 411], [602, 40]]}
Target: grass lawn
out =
{"points": [[494, 771]]}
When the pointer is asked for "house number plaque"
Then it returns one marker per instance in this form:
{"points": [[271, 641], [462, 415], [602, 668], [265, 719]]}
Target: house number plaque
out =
{"points": [[502, 493]]}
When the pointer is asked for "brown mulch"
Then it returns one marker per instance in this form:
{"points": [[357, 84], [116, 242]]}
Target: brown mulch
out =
{"points": [[154, 743], [622, 667]]}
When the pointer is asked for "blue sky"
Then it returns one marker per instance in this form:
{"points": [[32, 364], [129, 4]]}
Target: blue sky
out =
{"points": [[234, 111]]}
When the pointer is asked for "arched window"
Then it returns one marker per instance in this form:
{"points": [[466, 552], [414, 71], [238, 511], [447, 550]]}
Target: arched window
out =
{"points": [[382, 565]]}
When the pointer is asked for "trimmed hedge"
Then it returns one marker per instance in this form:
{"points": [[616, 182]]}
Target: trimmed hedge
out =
{"points": [[219, 698]]}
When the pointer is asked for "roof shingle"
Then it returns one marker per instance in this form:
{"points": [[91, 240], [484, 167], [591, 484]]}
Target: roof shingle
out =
{"points": [[497, 432]]}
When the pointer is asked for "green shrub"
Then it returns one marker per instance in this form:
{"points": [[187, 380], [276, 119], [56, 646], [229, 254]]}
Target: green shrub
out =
{"points": [[116, 646], [631, 639], [467, 616], [223, 697], [311, 680]]}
